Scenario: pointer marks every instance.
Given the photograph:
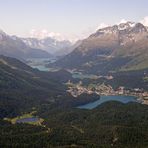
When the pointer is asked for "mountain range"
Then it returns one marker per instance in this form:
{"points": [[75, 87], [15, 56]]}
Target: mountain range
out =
{"points": [[27, 93], [114, 48], [51, 45], [14, 47], [23, 48]]}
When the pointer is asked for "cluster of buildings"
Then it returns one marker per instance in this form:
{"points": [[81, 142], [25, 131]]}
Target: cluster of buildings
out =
{"points": [[77, 89], [102, 89]]}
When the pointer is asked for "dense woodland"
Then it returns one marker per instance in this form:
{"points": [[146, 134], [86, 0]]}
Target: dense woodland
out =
{"points": [[110, 125], [23, 89]]}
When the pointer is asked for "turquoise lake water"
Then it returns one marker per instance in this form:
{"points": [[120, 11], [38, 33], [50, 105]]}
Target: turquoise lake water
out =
{"points": [[103, 99], [41, 63]]}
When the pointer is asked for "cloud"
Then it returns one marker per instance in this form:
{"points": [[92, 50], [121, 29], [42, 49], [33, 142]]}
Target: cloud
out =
{"points": [[144, 21], [41, 34], [102, 25], [87, 32], [122, 21]]}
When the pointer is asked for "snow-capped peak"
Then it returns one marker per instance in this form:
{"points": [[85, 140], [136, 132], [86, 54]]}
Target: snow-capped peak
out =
{"points": [[126, 25], [2, 33]]}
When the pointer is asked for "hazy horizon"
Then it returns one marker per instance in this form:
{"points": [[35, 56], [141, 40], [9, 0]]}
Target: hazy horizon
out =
{"points": [[66, 19]]}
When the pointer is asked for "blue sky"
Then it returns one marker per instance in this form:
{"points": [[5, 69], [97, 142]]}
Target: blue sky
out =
{"points": [[71, 18]]}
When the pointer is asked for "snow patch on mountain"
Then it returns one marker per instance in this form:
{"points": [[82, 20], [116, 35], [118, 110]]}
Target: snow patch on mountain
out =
{"points": [[127, 25], [145, 21]]}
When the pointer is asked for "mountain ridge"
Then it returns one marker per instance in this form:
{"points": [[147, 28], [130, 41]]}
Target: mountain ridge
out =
{"points": [[126, 44], [13, 46], [49, 45]]}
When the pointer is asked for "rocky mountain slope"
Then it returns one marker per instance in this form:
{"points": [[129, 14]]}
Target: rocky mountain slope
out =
{"points": [[14, 47], [114, 48]]}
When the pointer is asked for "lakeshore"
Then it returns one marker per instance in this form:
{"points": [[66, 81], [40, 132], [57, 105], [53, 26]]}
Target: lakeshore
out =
{"points": [[106, 90]]}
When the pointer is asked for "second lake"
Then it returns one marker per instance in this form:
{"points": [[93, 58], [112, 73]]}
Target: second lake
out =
{"points": [[103, 99]]}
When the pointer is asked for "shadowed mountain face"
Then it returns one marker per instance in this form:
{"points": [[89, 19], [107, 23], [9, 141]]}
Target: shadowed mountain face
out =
{"points": [[23, 88], [119, 47], [14, 47]]}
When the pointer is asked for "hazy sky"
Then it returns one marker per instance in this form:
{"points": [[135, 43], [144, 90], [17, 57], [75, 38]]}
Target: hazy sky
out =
{"points": [[67, 17]]}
